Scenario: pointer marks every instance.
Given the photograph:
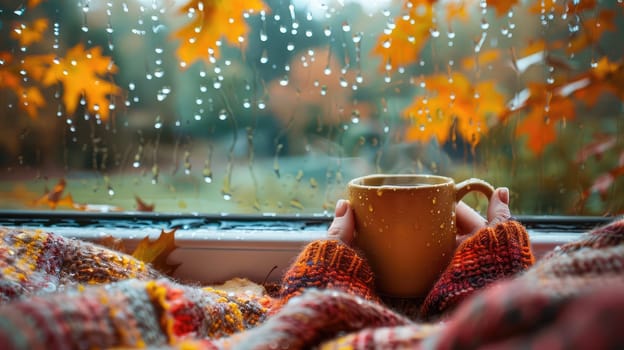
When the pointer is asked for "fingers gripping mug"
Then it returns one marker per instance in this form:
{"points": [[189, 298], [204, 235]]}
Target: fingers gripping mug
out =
{"points": [[405, 226]]}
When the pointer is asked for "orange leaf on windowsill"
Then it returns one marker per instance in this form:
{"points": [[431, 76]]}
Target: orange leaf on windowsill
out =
{"points": [[142, 206], [157, 252], [54, 198]]}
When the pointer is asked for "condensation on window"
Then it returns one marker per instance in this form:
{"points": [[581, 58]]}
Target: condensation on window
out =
{"points": [[269, 107]]}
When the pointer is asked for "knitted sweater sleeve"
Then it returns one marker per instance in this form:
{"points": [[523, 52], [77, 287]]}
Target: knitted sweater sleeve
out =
{"points": [[328, 264], [489, 255]]}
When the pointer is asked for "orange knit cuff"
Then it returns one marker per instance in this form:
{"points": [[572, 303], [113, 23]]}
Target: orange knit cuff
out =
{"points": [[491, 254], [328, 264]]}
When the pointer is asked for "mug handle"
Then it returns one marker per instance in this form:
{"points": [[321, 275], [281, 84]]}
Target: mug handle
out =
{"points": [[473, 184]]}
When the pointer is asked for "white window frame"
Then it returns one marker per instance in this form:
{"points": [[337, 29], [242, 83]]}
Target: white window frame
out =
{"points": [[214, 249]]}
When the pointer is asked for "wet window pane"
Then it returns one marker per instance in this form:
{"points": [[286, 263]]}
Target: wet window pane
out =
{"points": [[267, 106]]}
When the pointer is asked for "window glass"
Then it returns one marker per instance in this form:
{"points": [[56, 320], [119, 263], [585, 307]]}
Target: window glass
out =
{"points": [[271, 106]]}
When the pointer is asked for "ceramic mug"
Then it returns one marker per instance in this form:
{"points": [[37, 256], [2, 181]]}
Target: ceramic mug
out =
{"points": [[405, 226]]}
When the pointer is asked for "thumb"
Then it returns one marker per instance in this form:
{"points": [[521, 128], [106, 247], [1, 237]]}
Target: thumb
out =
{"points": [[498, 209], [343, 225]]}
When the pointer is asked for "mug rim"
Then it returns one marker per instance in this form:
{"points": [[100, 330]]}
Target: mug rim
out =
{"points": [[356, 182]]}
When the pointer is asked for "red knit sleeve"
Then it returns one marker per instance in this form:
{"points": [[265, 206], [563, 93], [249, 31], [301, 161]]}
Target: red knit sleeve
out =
{"points": [[328, 264], [491, 254]]}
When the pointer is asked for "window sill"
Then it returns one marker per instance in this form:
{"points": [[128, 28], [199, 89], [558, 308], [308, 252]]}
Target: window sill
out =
{"points": [[217, 248]]}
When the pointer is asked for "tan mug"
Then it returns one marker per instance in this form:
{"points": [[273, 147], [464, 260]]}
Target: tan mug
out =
{"points": [[405, 226]]}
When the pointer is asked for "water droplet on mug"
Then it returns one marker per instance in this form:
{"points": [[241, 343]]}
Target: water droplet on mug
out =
{"points": [[370, 207], [442, 225], [433, 201]]}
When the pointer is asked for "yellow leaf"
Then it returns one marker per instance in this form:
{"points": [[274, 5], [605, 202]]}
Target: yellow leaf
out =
{"points": [[37, 65], [31, 100], [452, 101], [402, 46], [157, 252], [30, 33], [457, 10], [607, 76], [82, 73], [213, 20], [484, 58]]}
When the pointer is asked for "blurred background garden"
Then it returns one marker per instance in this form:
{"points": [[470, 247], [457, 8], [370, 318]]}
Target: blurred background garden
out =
{"points": [[269, 107]]}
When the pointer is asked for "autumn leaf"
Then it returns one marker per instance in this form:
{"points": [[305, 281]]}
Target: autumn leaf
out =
{"points": [[29, 33], [30, 97], [142, 206], [211, 21], [483, 58], [502, 7], [8, 76], [570, 8], [30, 100], [157, 252], [457, 10], [83, 74], [54, 197], [592, 30], [606, 77], [402, 45], [452, 101], [545, 110]]}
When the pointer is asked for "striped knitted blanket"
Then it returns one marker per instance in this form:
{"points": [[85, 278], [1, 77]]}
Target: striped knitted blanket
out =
{"points": [[60, 293]]}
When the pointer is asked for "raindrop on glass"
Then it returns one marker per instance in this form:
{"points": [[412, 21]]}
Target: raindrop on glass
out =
{"points": [[223, 115], [484, 24], [264, 58]]}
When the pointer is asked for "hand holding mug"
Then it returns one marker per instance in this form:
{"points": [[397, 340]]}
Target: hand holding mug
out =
{"points": [[406, 226]]}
